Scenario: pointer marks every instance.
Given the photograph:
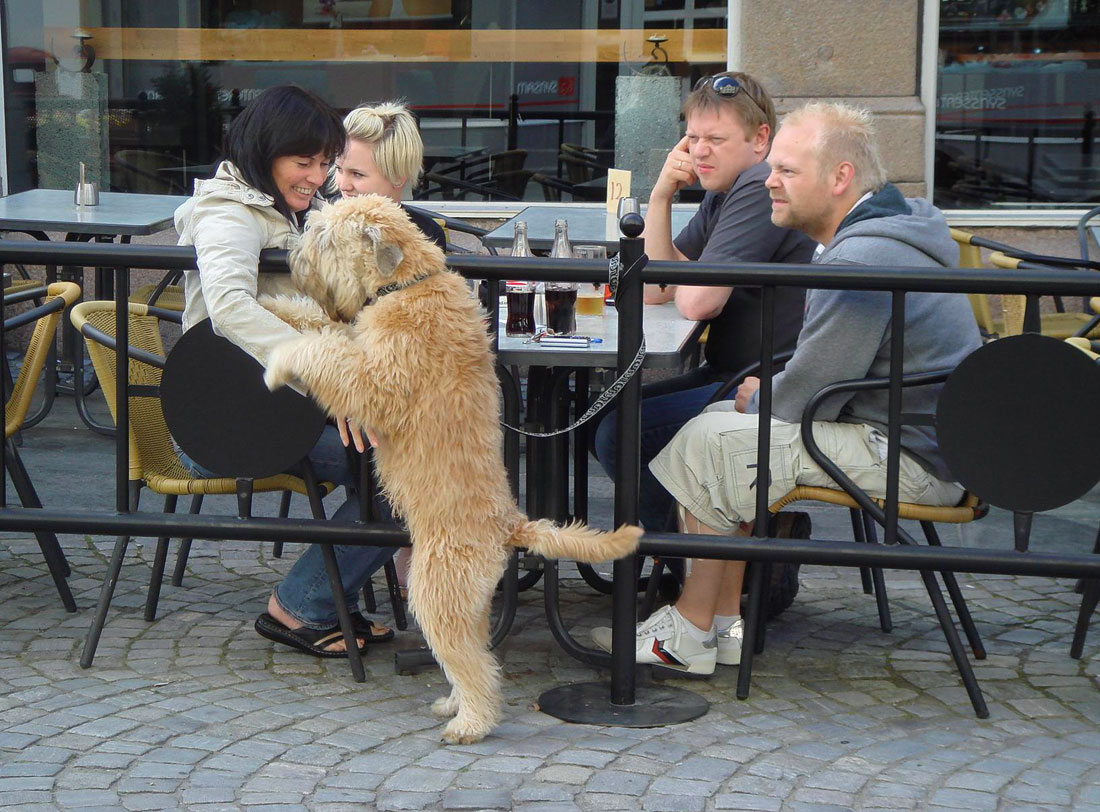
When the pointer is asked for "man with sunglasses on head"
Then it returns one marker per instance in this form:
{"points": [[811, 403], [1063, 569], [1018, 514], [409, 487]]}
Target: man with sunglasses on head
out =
{"points": [[730, 123], [828, 180]]}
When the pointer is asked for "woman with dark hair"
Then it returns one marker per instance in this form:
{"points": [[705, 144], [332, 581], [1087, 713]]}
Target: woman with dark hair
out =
{"points": [[278, 153]]}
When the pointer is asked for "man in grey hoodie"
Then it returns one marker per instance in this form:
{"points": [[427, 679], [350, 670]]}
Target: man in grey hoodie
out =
{"points": [[827, 181]]}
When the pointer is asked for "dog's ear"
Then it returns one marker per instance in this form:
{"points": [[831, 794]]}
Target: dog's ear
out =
{"points": [[387, 255]]}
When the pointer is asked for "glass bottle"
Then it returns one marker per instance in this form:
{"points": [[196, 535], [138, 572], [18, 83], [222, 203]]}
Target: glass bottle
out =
{"points": [[561, 297], [520, 294]]}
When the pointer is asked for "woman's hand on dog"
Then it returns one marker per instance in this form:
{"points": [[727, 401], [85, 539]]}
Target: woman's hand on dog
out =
{"points": [[349, 435]]}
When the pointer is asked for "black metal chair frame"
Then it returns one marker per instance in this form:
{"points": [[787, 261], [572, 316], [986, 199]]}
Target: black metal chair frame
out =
{"points": [[754, 625], [54, 556]]}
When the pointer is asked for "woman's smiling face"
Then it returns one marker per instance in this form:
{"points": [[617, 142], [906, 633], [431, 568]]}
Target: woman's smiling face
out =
{"points": [[357, 174], [298, 177]]}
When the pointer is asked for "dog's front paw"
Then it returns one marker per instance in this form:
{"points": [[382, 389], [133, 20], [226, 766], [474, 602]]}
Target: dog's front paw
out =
{"points": [[278, 372], [460, 731]]}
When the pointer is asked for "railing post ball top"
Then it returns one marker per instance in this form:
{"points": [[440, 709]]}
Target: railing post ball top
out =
{"points": [[632, 224]]}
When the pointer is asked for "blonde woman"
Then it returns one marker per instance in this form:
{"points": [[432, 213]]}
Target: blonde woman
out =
{"points": [[383, 155]]}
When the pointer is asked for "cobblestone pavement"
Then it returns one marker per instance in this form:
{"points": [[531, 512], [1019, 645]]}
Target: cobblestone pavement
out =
{"points": [[195, 711]]}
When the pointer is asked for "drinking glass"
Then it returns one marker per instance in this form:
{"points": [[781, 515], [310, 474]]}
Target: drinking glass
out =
{"points": [[590, 296]]}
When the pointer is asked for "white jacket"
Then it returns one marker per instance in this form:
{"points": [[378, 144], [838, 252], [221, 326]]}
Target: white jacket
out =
{"points": [[229, 222]]}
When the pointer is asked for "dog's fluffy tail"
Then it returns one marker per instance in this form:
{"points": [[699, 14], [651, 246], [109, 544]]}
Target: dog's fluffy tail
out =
{"points": [[576, 541]]}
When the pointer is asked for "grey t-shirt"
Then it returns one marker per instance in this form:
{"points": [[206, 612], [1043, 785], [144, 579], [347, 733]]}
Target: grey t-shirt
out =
{"points": [[736, 226]]}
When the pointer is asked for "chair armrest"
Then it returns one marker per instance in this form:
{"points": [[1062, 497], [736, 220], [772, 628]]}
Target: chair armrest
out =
{"points": [[738, 377], [36, 292], [135, 353], [35, 313], [452, 224], [860, 385]]}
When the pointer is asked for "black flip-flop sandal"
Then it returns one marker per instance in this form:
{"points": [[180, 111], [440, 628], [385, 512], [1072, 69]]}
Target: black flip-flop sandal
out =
{"points": [[311, 641], [364, 628]]}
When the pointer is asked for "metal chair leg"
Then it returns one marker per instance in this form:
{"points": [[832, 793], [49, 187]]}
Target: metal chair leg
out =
{"points": [[394, 587], [954, 643], [652, 588], [156, 577], [54, 556], [284, 511], [864, 572], [370, 603], [1088, 606], [765, 588], [961, 609], [185, 545], [355, 659], [106, 592], [754, 620], [882, 600], [1091, 596]]}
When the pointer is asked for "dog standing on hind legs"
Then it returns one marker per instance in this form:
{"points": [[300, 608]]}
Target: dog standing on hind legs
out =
{"points": [[393, 340]]}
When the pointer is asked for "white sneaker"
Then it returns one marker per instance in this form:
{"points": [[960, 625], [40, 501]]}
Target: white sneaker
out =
{"points": [[729, 643], [664, 640]]}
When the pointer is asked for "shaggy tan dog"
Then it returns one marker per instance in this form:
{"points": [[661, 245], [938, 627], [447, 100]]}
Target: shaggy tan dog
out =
{"points": [[401, 347]]}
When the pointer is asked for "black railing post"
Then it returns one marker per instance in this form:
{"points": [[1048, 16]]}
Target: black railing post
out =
{"points": [[627, 705], [754, 621], [628, 469], [122, 396]]}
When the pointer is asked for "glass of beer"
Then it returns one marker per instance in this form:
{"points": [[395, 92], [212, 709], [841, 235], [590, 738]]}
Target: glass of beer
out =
{"points": [[590, 297]]}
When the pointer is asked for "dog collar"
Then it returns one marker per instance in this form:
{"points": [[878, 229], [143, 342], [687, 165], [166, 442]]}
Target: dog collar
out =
{"points": [[395, 286]]}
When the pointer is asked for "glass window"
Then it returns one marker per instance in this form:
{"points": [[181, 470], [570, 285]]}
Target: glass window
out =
{"points": [[515, 97], [1016, 117]]}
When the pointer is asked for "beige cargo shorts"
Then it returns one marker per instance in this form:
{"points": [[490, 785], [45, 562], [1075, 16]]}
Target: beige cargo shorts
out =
{"points": [[709, 467]]}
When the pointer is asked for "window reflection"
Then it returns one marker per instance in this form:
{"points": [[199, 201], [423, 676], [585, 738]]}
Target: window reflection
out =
{"points": [[1016, 107], [515, 97]]}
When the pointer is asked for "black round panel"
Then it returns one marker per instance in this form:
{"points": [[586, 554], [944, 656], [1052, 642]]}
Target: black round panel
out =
{"points": [[223, 416], [1017, 423]]}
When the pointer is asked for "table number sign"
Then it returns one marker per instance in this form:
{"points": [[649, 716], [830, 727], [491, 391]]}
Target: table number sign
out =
{"points": [[618, 187]]}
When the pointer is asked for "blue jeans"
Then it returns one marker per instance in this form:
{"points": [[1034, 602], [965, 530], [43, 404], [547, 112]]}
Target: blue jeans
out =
{"points": [[666, 406], [305, 594]]}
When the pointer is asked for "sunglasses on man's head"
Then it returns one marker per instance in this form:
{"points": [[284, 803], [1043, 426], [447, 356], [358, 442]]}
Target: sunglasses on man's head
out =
{"points": [[727, 86]]}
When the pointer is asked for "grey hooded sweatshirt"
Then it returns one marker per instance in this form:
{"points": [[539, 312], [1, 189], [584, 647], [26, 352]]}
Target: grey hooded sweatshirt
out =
{"points": [[846, 333]]}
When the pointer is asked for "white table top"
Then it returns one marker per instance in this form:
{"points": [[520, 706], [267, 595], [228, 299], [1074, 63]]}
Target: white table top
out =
{"points": [[118, 213], [670, 338], [587, 226]]}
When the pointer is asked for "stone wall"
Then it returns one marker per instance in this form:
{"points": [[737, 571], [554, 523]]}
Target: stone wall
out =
{"points": [[866, 53]]}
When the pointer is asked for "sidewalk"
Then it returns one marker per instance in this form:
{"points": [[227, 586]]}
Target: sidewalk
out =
{"points": [[195, 711]]}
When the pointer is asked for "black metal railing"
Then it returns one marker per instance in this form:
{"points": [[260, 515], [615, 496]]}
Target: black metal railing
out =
{"points": [[898, 281]]}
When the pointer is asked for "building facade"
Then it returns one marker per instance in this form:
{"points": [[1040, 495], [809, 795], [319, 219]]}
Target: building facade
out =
{"points": [[985, 105]]}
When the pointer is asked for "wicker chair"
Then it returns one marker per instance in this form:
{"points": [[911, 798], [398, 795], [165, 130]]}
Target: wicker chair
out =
{"points": [[46, 316], [166, 294], [1056, 325], [154, 462], [1062, 324]]}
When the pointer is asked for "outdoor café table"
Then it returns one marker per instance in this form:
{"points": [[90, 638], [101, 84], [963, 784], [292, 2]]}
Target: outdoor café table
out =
{"points": [[670, 342], [38, 211], [588, 225]]}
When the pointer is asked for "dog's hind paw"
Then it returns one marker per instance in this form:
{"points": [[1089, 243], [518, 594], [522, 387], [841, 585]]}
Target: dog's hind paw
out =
{"points": [[446, 706]]}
